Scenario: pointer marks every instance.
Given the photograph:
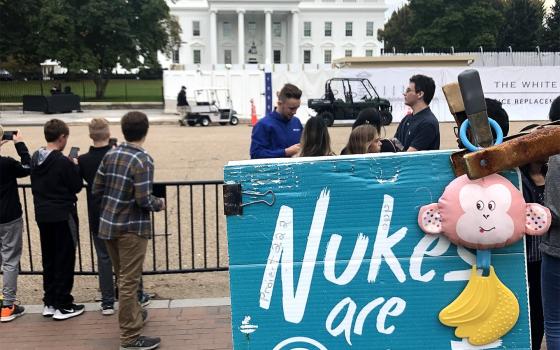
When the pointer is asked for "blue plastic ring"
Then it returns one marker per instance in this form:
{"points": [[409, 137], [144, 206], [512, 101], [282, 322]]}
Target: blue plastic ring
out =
{"points": [[468, 145]]}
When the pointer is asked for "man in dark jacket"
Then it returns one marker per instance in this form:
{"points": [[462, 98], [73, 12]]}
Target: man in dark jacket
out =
{"points": [[55, 181], [182, 102], [11, 224]]}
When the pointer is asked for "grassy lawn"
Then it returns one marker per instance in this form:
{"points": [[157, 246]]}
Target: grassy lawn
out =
{"points": [[117, 90]]}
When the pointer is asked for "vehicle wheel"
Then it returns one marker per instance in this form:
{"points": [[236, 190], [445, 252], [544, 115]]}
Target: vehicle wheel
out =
{"points": [[204, 121], [223, 123], [234, 120], [386, 117], [327, 117], [191, 122]]}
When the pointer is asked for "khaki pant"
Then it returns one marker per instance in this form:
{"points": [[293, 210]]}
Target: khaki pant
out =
{"points": [[127, 253]]}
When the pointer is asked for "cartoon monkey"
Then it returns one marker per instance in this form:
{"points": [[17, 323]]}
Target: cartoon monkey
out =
{"points": [[483, 214]]}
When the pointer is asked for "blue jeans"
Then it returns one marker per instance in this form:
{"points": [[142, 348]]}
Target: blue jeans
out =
{"points": [[551, 300]]}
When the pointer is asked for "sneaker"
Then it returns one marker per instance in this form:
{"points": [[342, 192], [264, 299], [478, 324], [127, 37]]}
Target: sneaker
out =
{"points": [[107, 310], [48, 311], [68, 312], [144, 300], [9, 313], [142, 343]]}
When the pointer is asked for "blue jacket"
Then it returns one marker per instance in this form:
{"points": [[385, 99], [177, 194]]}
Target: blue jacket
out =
{"points": [[273, 134]]}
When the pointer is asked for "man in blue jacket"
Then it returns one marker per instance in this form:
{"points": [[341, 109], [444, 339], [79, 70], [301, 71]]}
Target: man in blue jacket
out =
{"points": [[278, 134]]}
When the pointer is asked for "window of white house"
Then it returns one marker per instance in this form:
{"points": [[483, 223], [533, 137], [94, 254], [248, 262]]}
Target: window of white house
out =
{"points": [[328, 56], [277, 56], [175, 56], [227, 29], [347, 53], [328, 28], [369, 52], [252, 28], [369, 28], [348, 27], [227, 56], [277, 29], [306, 56], [196, 57], [307, 29], [196, 28]]}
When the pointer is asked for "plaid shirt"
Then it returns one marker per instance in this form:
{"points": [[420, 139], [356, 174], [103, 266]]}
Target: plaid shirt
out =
{"points": [[124, 180]]}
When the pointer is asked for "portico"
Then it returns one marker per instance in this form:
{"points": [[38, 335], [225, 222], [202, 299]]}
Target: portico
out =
{"points": [[258, 36]]}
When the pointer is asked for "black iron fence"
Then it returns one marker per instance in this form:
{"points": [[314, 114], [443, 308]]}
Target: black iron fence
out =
{"points": [[118, 90], [189, 235]]}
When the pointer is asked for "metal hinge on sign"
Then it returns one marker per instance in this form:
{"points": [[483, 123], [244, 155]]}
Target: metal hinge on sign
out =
{"points": [[233, 199]]}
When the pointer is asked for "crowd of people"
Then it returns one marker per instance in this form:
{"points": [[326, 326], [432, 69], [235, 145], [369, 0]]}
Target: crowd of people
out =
{"points": [[119, 179], [119, 182], [280, 134]]}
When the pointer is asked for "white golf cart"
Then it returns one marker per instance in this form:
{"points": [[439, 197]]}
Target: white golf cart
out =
{"points": [[213, 105]]}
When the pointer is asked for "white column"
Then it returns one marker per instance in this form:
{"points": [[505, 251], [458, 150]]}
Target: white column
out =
{"points": [[213, 37], [241, 36], [295, 37], [268, 36]]}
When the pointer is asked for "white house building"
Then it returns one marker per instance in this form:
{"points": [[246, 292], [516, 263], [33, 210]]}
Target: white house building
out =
{"points": [[276, 31]]}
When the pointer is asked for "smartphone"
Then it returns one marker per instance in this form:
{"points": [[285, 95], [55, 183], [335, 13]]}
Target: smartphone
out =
{"points": [[74, 152], [8, 135], [113, 141]]}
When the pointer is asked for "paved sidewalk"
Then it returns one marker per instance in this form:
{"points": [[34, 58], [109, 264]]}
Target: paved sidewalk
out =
{"points": [[17, 118], [181, 324]]}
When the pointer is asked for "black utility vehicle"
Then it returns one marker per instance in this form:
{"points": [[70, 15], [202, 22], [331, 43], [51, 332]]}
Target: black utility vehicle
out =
{"points": [[345, 97]]}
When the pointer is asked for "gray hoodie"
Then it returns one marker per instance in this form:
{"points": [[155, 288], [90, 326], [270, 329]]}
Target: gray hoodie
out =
{"points": [[551, 241]]}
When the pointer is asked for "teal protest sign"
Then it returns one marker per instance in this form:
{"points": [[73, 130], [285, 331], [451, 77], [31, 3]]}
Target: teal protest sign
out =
{"points": [[339, 262]]}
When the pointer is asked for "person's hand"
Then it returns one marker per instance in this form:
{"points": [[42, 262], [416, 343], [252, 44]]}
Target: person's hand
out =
{"points": [[74, 160], [18, 137], [292, 150]]}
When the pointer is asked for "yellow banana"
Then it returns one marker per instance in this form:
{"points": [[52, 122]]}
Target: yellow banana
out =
{"points": [[492, 312], [472, 304]]}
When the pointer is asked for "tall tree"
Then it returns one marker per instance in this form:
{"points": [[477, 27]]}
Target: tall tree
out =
{"points": [[523, 29], [19, 36], [551, 40], [96, 35], [397, 30], [438, 24]]}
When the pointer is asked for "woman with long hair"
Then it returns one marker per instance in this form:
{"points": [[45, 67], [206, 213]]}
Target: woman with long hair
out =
{"points": [[363, 139], [315, 140]]}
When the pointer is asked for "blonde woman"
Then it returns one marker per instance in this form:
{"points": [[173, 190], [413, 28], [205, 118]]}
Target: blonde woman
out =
{"points": [[363, 139]]}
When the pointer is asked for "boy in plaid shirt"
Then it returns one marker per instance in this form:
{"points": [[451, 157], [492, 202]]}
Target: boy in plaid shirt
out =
{"points": [[124, 183]]}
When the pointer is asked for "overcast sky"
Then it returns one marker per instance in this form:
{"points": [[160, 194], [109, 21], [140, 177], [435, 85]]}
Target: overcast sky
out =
{"points": [[395, 4]]}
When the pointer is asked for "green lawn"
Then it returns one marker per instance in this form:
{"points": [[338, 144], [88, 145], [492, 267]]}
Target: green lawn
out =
{"points": [[117, 90]]}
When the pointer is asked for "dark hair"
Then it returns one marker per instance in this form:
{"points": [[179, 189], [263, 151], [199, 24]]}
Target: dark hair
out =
{"points": [[369, 116], [54, 128], [315, 140], [499, 114], [289, 91], [425, 84], [554, 113], [134, 126]]}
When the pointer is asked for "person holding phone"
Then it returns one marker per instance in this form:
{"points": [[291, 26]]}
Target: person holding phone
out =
{"points": [[124, 181], [100, 134], [11, 224], [55, 181]]}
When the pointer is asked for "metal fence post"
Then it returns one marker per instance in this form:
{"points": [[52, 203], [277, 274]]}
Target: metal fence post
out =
{"points": [[83, 90], [125, 91]]}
